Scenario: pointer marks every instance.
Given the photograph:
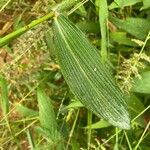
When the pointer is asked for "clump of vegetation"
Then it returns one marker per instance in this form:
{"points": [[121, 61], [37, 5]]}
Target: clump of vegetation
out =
{"points": [[74, 74]]}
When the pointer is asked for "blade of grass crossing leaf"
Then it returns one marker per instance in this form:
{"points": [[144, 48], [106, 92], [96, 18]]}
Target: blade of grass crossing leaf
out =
{"points": [[103, 18], [86, 75]]}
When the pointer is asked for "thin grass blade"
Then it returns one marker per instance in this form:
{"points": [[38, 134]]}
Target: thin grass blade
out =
{"points": [[30, 139], [103, 18]]}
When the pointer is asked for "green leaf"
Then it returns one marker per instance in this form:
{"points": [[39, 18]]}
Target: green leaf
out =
{"points": [[142, 85], [26, 112], [18, 22], [137, 27], [121, 38], [135, 108], [44, 132], [89, 27], [88, 78], [146, 4], [82, 11], [123, 3], [4, 95], [75, 104], [52, 143], [100, 124], [103, 19], [47, 115]]}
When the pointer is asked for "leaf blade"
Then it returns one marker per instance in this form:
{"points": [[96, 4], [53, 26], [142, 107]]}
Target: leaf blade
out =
{"points": [[47, 115], [142, 85], [133, 26], [123, 3], [90, 80]]}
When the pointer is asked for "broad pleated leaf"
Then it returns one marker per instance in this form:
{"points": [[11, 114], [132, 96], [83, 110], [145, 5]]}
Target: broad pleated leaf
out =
{"points": [[87, 77]]}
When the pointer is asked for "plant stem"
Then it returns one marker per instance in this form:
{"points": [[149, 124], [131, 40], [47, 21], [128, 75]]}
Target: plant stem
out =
{"points": [[116, 147], [60, 7], [72, 130], [89, 129], [20, 31], [127, 139], [4, 6]]}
